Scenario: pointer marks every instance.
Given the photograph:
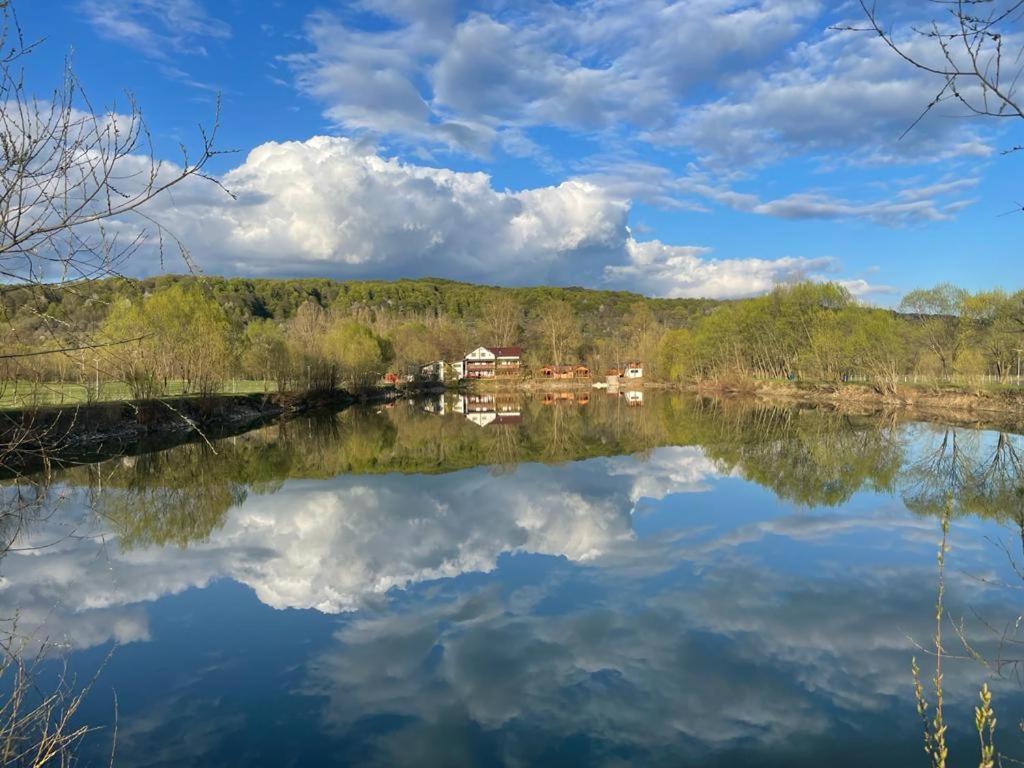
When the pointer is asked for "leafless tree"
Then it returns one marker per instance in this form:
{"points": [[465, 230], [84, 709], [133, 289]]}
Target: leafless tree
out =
{"points": [[976, 52], [76, 184], [75, 187], [72, 175], [37, 724], [501, 320], [558, 329]]}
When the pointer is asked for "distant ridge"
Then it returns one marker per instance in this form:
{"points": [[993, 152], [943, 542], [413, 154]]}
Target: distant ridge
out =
{"points": [[83, 305]]}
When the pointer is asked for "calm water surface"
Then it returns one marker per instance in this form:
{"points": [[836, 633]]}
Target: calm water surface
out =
{"points": [[460, 583]]}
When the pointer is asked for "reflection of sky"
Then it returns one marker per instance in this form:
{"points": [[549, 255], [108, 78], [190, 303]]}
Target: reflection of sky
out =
{"points": [[613, 611], [340, 544]]}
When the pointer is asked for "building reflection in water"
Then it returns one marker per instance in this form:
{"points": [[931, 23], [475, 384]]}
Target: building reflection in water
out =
{"points": [[485, 409]]}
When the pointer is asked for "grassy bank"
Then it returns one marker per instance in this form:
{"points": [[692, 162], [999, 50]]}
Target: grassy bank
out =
{"points": [[16, 395], [36, 436]]}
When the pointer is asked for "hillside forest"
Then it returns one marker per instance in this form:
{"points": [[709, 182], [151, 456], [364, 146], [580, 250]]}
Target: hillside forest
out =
{"points": [[194, 334]]}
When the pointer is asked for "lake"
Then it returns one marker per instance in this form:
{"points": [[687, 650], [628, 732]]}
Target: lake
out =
{"points": [[640, 579]]}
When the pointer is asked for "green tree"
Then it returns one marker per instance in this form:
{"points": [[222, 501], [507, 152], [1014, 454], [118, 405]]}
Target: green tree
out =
{"points": [[135, 362], [414, 344], [872, 343], [937, 320], [643, 332], [193, 337], [265, 352], [795, 327], [311, 369], [357, 351], [181, 334], [677, 354], [997, 321]]}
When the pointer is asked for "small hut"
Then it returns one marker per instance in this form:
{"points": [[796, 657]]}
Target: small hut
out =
{"points": [[634, 370]]}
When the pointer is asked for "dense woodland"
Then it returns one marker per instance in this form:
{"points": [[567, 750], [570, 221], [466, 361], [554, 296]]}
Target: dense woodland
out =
{"points": [[312, 333], [195, 333]]}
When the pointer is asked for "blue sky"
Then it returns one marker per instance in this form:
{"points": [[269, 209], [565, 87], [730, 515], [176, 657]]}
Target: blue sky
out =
{"points": [[707, 147]]}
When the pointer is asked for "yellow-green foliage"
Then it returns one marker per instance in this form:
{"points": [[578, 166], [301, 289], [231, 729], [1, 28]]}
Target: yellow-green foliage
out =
{"points": [[178, 333], [276, 331], [265, 351], [356, 350], [818, 331]]}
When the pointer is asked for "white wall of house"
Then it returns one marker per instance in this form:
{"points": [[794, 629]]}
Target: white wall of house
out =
{"points": [[481, 355], [433, 370], [482, 419]]}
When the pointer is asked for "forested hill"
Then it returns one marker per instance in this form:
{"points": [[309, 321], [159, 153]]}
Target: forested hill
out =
{"points": [[84, 306], [315, 334]]}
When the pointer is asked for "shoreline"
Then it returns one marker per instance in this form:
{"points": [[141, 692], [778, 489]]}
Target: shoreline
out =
{"points": [[957, 406], [60, 435]]}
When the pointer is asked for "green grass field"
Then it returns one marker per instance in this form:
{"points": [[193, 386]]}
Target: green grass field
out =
{"points": [[23, 394]]}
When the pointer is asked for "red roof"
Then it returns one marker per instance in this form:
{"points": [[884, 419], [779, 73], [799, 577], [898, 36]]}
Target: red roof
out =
{"points": [[506, 351]]}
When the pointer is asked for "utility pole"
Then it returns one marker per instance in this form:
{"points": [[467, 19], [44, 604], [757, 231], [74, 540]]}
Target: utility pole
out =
{"points": [[1018, 350]]}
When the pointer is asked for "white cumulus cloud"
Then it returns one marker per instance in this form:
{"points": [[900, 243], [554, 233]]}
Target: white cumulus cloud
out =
{"points": [[684, 271], [333, 206]]}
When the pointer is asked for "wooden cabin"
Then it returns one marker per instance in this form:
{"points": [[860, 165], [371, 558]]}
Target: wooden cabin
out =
{"points": [[553, 398], [561, 372]]}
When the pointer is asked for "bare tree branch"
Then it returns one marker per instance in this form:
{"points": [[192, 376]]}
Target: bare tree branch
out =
{"points": [[976, 52]]}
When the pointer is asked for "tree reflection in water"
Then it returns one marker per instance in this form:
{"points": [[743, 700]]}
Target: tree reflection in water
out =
{"points": [[339, 535], [816, 458]]}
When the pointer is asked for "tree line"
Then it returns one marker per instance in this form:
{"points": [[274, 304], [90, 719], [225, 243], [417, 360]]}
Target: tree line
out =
{"points": [[176, 334], [192, 335], [818, 331]]}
